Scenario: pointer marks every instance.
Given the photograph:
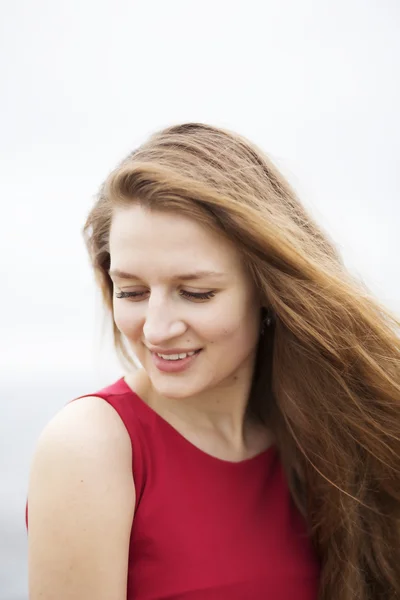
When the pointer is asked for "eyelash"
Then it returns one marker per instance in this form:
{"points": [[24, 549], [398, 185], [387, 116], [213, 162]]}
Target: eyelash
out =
{"points": [[184, 293]]}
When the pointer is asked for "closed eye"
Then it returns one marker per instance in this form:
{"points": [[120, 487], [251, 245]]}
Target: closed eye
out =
{"points": [[128, 294], [198, 295], [184, 293]]}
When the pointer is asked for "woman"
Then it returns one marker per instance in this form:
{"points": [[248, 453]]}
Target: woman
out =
{"points": [[256, 453]]}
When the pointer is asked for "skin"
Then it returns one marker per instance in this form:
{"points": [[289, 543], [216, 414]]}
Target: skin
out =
{"points": [[81, 486], [81, 493], [212, 394]]}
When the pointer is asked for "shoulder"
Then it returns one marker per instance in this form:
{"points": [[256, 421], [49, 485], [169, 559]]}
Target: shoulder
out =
{"points": [[81, 425], [86, 437], [81, 492]]}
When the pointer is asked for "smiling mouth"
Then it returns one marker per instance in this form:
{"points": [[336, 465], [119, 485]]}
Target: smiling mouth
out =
{"points": [[177, 357]]}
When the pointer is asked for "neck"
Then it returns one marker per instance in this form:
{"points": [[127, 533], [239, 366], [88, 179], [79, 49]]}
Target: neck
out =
{"points": [[219, 411]]}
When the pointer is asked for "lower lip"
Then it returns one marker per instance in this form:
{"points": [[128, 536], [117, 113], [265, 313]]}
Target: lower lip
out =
{"points": [[173, 366]]}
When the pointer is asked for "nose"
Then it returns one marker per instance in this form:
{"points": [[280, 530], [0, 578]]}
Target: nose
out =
{"points": [[161, 324]]}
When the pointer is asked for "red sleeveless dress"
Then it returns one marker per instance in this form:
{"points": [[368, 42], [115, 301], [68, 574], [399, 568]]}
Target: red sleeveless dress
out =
{"points": [[205, 528]]}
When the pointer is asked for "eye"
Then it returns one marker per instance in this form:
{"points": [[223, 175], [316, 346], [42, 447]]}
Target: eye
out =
{"points": [[197, 295], [129, 294], [189, 295]]}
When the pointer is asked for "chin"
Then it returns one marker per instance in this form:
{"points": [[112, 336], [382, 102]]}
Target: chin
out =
{"points": [[175, 389]]}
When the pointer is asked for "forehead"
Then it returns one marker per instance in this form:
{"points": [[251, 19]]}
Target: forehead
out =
{"points": [[143, 238]]}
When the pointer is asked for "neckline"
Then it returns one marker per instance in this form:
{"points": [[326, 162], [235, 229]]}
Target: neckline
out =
{"points": [[267, 453]]}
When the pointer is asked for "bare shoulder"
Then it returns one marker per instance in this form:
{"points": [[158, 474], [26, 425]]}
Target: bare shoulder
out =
{"points": [[90, 417], [87, 434], [81, 504]]}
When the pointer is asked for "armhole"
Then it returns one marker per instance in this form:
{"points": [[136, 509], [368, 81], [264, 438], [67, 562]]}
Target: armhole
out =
{"points": [[133, 429], [131, 423]]}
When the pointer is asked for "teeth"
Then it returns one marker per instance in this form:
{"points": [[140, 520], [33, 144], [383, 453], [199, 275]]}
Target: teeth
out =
{"points": [[175, 356]]}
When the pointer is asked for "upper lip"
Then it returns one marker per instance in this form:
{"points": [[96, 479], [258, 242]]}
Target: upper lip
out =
{"points": [[173, 351]]}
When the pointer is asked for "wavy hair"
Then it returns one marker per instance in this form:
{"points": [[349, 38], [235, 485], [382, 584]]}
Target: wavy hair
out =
{"points": [[327, 376]]}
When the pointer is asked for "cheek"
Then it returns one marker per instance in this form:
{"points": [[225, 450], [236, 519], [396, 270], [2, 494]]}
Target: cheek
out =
{"points": [[232, 328], [126, 319]]}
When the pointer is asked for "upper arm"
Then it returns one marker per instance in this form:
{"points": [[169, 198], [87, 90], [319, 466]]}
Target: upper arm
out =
{"points": [[81, 503]]}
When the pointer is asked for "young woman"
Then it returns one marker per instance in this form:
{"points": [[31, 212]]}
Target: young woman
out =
{"points": [[256, 452]]}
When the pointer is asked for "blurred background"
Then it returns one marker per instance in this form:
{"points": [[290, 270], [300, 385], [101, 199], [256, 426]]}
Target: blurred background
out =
{"points": [[315, 83]]}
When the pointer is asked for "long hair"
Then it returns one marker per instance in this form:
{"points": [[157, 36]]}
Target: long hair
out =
{"points": [[327, 376]]}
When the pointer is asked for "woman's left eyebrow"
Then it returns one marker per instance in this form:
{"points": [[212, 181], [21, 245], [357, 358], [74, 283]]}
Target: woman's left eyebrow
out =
{"points": [[198, 275]]}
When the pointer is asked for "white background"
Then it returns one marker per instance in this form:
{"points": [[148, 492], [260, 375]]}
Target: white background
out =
{"points": [[315, 83]]}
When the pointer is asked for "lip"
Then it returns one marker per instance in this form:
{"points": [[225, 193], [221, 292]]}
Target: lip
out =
{"points": [[173, 366], [173, 351]]}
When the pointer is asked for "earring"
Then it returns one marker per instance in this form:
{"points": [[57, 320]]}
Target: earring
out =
{"points": [[266, 321]]}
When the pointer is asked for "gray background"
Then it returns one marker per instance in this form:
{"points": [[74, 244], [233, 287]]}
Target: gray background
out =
{"points": [[315, 83]]}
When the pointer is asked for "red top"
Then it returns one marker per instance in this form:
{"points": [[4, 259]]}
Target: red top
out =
{"points": [[206, 528]]}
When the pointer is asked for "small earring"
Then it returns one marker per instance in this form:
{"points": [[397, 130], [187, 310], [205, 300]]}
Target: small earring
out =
{"points": [[267, 320]]}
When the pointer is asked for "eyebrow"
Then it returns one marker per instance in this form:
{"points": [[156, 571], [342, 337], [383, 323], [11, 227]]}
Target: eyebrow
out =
{"points": [[184, 277]]}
